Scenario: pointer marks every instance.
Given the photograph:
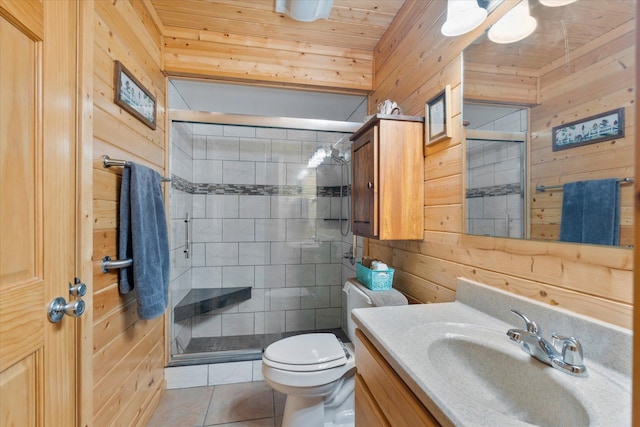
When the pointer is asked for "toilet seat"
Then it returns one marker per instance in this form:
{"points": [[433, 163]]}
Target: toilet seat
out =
{"points": [[288, 381], [306, 353]]}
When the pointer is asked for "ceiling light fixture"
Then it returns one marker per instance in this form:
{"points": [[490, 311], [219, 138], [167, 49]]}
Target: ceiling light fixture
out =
{"points": [[462, 17], [514, 26], [556, 3], [305, 10]]}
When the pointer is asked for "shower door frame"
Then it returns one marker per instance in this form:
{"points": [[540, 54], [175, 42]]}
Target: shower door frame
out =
{"points": [[204, 117], [504, 136], [262, 121]]}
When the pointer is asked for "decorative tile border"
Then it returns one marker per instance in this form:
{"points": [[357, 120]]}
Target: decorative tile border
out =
{"points": [[181, 184], [495, 190], [335, 191]]}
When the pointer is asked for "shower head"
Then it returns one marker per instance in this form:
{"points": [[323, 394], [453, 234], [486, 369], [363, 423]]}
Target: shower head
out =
{"points": [[322, 153], [336, 156]]}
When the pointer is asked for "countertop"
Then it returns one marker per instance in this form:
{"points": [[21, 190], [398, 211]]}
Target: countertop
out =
{"points": [[396, 332]]}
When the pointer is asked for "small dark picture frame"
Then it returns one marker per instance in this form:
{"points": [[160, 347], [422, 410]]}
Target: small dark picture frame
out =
{"points": [[598, 128], [131, 95], [437, 114]]}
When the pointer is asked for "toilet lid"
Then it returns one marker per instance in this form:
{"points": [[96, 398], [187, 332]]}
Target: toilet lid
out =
{"points": [[306, 352]]}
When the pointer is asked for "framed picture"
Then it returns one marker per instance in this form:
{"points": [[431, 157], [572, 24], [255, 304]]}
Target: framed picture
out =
{"points": [[437, 117], [133, 96], [598, 128]]}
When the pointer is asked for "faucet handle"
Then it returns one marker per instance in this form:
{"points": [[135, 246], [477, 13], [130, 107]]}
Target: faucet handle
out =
{"points": [[531, 325], [571, 349]]}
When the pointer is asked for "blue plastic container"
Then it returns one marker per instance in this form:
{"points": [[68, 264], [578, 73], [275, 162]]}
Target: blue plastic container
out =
{"points": [[376, 280]]}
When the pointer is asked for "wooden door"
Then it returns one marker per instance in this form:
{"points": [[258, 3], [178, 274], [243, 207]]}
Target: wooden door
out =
{"points": [[364, 206], [37, 211]]}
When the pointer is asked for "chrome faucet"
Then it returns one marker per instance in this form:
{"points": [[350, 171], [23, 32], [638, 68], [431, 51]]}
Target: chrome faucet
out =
{"points": [[568, 359]]}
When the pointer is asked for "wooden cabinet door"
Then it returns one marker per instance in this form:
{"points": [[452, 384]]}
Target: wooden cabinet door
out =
{"points": [[367, 411], [401, 180], [364, 185], [37, 211], [395, 400]]}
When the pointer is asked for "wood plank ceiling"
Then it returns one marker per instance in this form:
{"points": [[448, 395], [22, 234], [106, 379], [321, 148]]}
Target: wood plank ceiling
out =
{"points": [[356, 24], [247, 41], [559, 31], [241, 40]]}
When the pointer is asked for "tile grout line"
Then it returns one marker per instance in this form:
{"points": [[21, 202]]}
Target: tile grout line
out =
{"points": [[206, 413]]}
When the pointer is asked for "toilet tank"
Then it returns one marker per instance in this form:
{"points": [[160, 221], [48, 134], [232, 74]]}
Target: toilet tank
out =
{"points": [[355, 299]]}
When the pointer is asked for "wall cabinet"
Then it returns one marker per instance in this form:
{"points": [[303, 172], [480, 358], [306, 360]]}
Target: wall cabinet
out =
{"points": [[382, 398], [387, 190]]}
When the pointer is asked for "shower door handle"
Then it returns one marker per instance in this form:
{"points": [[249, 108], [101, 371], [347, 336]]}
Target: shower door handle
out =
{"points": [[186, 236]]}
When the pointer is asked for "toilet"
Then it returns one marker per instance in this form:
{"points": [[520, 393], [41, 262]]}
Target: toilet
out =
{"points": [[317, 371]]}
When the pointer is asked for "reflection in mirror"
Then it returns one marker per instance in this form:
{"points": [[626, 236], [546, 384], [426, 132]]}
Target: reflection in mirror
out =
{"points": [[496, 160], [522, 98]]}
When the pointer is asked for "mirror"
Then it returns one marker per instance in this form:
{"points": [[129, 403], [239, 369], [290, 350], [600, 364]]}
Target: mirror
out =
{"points": [[553, 108]]}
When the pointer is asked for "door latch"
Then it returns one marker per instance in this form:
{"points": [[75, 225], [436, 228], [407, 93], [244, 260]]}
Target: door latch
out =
{"points": [[59, 307]]}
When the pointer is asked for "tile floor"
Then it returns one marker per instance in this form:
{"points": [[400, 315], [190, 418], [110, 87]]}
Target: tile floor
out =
{"points": [[250, 404]]}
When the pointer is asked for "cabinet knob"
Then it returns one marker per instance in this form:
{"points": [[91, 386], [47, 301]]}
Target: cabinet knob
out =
{"points": [[370, 185]]}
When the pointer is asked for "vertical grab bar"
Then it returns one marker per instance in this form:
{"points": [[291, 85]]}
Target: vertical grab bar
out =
{"points": [[186, 236], [507, 220]]}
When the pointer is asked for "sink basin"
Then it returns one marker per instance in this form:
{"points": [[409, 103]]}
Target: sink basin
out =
{"points": [[478, 369], [497, 378]]}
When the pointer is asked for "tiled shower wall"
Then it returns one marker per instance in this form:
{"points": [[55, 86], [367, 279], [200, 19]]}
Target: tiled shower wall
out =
{"points": [[261, 218], [494, 194]]}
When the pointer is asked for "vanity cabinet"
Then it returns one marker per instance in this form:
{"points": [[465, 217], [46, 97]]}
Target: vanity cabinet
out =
{"points": [[382, 398], [387, 191]]}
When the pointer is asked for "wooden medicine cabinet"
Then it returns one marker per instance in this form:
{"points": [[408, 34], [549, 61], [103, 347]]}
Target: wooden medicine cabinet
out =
{"points": [[387, 192]]}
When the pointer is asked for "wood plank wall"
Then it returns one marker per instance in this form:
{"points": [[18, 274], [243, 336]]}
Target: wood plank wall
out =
{"points": [[600, 80], [229, 54], [635, 395], [413, 62], [210, 54], [128, 353]]}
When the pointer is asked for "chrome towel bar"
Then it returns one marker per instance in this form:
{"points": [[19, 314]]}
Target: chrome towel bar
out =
{"points": [[549, 187], [109, 264], [108, 162]]}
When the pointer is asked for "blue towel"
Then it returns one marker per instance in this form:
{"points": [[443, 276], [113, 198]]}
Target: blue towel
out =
{"points": [[591, 212], [144, 238]]}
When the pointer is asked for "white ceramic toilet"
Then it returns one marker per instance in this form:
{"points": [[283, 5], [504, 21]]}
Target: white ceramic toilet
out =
{"points": [[316, 372]]}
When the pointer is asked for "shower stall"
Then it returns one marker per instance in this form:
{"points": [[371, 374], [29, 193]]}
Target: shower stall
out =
{"points": [[496, 138], [259, 232]]}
